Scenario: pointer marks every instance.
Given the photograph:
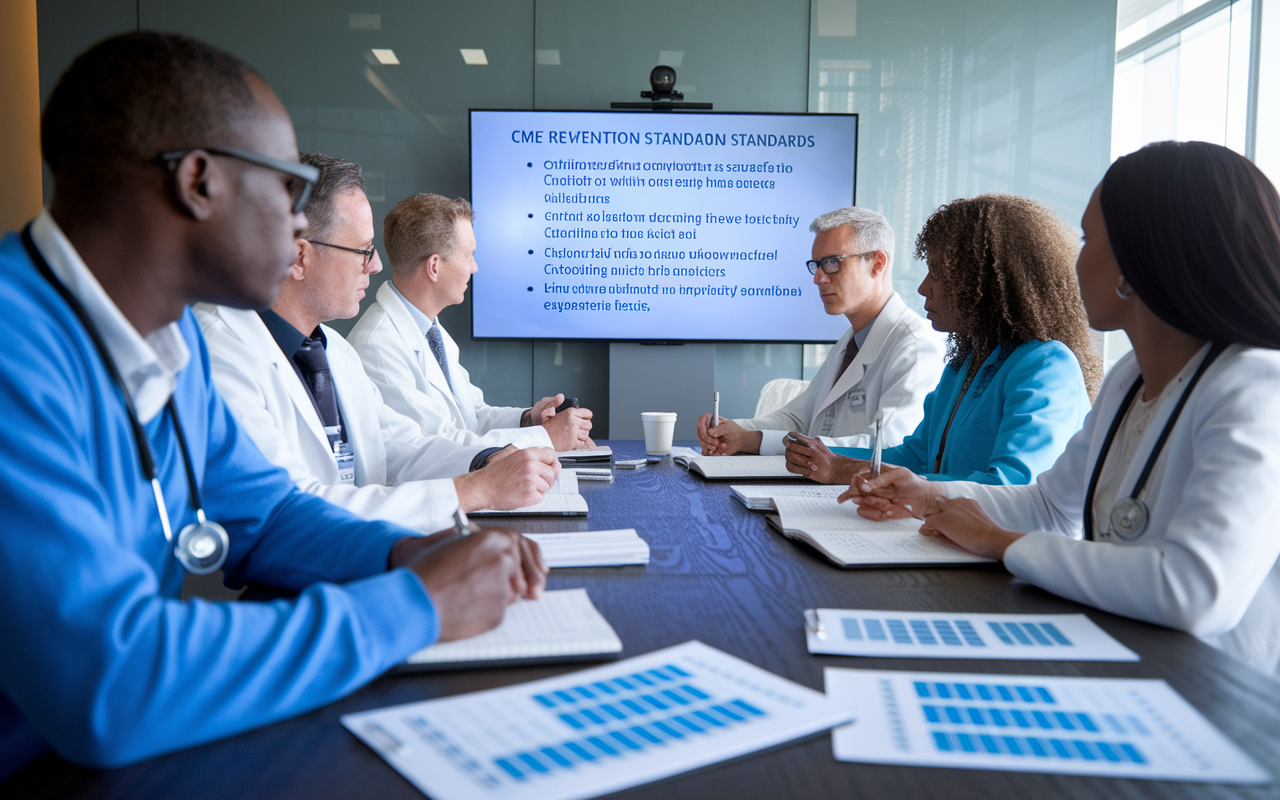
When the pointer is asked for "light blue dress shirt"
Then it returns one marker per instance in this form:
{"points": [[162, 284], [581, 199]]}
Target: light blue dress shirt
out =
{"points": [[1012, 424]]}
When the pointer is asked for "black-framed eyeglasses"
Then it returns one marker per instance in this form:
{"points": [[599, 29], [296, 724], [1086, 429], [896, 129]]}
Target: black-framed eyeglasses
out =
{"points": [[368, 254], [301, 176], [831, 264]]}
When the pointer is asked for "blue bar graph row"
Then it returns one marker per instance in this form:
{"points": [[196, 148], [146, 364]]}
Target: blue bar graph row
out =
{"points": [[1114, 752], [1010, 718], [957, 633], [1043, 634], [982, 691], [580, 717], [602, 690], [633, 739]]}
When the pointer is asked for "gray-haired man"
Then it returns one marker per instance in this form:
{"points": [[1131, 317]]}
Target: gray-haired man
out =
{"points": [[888, 360]]}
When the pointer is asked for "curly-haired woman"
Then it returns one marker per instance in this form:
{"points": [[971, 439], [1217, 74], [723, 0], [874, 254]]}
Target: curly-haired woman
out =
{"points": [[1022, 370]]}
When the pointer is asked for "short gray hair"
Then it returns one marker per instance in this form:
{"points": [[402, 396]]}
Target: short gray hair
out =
{"points": [[874, 231], [337, 175]]}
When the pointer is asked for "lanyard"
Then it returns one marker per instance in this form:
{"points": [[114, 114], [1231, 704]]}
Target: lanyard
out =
{"points": [[202, 545], [1214, 351], [1002, 356]]}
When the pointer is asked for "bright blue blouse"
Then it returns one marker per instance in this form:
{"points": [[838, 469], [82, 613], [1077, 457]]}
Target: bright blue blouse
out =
{"points": [[1012, 424], [101, 660]]}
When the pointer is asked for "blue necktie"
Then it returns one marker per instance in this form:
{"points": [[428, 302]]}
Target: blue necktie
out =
{"points": [[437, 349]]}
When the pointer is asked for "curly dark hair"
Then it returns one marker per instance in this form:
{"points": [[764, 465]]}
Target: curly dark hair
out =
{"points": [[1008, 265]]}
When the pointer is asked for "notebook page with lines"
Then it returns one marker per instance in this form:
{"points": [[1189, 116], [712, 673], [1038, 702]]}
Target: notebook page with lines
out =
{"points": [[836, 530]]}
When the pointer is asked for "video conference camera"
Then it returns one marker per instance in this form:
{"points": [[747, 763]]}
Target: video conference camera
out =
{"points": [[663, 81]]}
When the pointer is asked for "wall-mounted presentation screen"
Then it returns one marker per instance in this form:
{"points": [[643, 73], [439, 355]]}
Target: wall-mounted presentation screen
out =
{"points": [[662, 226]]}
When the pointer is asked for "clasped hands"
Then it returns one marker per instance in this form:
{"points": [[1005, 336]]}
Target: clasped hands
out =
{"points": [[899, 493]]}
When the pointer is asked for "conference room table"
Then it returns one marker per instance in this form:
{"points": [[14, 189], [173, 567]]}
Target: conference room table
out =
{"points": [[719, 575]]}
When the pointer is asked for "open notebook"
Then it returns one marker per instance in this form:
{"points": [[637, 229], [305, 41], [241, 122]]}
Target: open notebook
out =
{"points": [[592, 548], [562, 626], [561, 500], [760, 498], [836, 531], [733, 468]]}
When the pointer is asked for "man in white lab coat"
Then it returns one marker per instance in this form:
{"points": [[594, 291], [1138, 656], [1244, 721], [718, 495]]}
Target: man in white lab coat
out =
{"points": [[298, 389], [888, 360], [413, 359]]}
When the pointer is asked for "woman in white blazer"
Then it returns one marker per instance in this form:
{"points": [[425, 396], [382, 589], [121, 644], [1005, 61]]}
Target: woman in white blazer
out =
{"points": [[1165, 506]]}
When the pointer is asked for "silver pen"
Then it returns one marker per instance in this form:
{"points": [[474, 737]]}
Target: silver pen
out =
{"points": [[715, 410], [461, 525], [878, 446], [814, 623]]}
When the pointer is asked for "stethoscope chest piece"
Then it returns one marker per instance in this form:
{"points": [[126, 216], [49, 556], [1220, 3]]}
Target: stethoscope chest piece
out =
{"points": [[1129, 518], [202, 547]]}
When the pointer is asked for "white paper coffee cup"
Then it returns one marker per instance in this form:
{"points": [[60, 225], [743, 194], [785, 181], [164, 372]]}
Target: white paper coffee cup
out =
{"points": [[659, 429]]}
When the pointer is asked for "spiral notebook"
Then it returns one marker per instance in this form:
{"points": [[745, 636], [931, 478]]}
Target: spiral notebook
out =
{"points": [[561, 626], [561, 500]]}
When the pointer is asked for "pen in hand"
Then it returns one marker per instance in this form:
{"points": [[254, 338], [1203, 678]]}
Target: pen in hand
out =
{"points": [[461, 525], [878, 446], [715, 410]]}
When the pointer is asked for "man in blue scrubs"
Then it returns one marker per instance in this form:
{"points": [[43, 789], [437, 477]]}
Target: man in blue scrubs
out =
{"points": [[101, 660]]}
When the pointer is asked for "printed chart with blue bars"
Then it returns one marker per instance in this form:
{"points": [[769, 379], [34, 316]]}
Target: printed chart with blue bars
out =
{"points": [[911, 634], [596, 731], [1090, 726]]}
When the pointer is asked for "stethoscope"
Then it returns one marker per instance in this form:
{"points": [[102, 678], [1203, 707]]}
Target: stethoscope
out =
{"points": [[1130, 516], [202, 546]]}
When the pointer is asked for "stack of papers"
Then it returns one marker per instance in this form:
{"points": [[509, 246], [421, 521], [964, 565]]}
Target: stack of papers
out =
{"points": [[597, 731], [760, 498], [1116, 727], [590, 456], [561, 626], [561, 500], [836, 531], [592, 548]]}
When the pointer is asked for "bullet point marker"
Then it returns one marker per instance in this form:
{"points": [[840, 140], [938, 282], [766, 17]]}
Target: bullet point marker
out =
{"points": [[530, 252], [530, 164], [531, 288], [530, 216]]}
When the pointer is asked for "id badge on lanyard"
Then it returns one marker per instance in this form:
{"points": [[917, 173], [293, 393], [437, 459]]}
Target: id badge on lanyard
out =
{"points": [[343, 454]]}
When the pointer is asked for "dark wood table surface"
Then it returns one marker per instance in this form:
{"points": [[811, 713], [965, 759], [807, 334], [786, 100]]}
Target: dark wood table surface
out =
{"points": [[719, 575]]}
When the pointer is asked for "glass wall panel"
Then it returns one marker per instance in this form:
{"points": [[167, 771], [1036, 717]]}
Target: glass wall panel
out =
{"points": [[402, 117], [960, 98]]}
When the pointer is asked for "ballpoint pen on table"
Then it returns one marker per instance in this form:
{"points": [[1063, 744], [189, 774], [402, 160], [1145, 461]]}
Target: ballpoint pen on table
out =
{"points": [[814, 624], [878, 446]]}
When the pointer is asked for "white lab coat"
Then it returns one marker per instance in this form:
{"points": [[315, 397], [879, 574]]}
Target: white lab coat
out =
{"points": [[401, 475], [897, 366], [1206, 563], [398, 359]]}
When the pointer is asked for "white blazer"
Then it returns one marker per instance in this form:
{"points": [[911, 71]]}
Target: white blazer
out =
{"points": [[398, 359], [1206, 563], [897, 366], [401, 475]]}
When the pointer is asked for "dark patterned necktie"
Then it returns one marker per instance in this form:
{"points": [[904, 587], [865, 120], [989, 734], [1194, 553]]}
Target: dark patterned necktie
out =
{"points": [[436, 341], [313, 362], [850, 353]]}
